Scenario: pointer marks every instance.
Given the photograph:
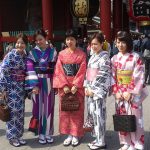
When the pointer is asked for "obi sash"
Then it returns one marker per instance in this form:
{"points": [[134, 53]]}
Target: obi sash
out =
{"points": [[71, 69], [91, 73], [47, 68], [18, 75], [124, 76]]}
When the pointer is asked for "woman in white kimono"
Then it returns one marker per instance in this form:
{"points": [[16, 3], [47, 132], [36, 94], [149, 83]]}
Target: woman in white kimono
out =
{"points": [[129, 88], [96, 85]]}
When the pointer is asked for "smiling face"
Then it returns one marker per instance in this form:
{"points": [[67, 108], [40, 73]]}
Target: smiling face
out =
{"points": [[122, 46], [20, 45], [40, 41], [96, 45], [71, 42]]}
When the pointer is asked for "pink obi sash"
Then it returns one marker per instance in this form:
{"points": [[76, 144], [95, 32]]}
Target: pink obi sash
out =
{"points": [[91, 73]]}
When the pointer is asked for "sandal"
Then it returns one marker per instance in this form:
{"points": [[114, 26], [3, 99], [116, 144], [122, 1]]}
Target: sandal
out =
{"points": [[124, 147], [96, 146], [90, 144], [75, 141], [22, 141], [14, 142], [49, 139], [67, 141]]}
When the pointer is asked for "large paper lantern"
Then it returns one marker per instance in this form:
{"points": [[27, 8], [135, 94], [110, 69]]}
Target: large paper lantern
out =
{"points": [[84, 9]]}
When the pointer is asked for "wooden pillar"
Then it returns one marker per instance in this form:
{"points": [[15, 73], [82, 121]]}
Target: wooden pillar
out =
{"points": [[47, 14], [117, 16], [105, 18], [68, 16]]}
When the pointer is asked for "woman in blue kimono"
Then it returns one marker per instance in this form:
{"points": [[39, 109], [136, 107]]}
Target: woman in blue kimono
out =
{"points": [[12, 76]]}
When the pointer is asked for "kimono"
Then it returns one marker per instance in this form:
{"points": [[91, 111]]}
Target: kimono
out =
{"points": [[98, 80], [70, 70], [12, 76], [40, 67], [128, 76]]}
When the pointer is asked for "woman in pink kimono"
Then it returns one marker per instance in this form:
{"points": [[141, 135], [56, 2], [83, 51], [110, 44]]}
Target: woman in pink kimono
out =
{"points": [[129, 88], [68, 77]]}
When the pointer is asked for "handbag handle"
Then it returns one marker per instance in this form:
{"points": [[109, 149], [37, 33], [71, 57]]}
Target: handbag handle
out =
{"points": [[129, 105], [3, 99]]}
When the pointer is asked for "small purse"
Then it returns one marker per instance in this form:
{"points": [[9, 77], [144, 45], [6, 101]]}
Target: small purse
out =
{"points": [[124, 123], [4, 111], [70, 102]]}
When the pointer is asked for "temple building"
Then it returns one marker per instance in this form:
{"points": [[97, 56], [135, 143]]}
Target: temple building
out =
{"points": [[56, 16]]}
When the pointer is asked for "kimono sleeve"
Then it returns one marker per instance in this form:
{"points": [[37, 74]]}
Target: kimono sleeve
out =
{"points": [[138, 78], [8, 61], [31, 79], [79, 78], [59, 78], [114, 86], [101, 84]]}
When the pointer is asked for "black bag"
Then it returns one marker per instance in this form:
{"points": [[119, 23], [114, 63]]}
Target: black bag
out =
{"points": [[4, 111], [124, 123], [70, 102]]}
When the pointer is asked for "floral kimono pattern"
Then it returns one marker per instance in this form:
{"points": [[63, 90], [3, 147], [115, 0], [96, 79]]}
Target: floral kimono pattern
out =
{"points": [[12, 76], [131, 62], [98, 80]]}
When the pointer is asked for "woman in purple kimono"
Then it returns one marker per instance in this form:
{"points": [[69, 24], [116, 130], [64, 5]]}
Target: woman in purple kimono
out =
{"points": [[12, 76], [40, 66]]}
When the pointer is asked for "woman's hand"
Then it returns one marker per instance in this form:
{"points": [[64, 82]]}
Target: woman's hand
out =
{"points": [[35, 90], [3, 95], [66, 89], [127, 96], [88, 92], [74, 89], [118, 96]]}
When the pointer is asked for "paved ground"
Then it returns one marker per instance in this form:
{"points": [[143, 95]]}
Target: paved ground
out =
{"points": [[111, 136]]}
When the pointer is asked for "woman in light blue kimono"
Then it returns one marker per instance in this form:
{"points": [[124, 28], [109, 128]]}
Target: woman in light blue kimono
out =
{"points": [[96, 85], [12, 76]]}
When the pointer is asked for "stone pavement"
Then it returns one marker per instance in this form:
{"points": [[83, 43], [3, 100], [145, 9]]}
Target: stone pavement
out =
{"points": [[111, 136]]}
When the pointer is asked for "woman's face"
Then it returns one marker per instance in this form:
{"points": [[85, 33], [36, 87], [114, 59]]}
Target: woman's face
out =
{"points": [[71, 42], [96, 45], [40, 41], [20, 45], [121, 45]]}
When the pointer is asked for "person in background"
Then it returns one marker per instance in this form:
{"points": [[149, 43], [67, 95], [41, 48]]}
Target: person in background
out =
{"points": [[12, 77], [97, 84], [68, 77], [40, 67], [129, 89], [146, 46]]}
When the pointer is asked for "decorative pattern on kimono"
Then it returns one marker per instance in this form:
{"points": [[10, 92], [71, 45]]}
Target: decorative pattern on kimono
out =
{"points": [[12, 76], [98, 80], [132, 65], [71, 122], [40, 67]]}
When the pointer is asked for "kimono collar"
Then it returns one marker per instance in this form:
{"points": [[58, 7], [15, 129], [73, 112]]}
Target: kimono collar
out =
{"points": [[17, 53], [101, 53], [126, 54], [38, 48]]}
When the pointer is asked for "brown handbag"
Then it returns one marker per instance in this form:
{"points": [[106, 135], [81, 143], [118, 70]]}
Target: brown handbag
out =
{"points": [[4, 111], [70, 102]]}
